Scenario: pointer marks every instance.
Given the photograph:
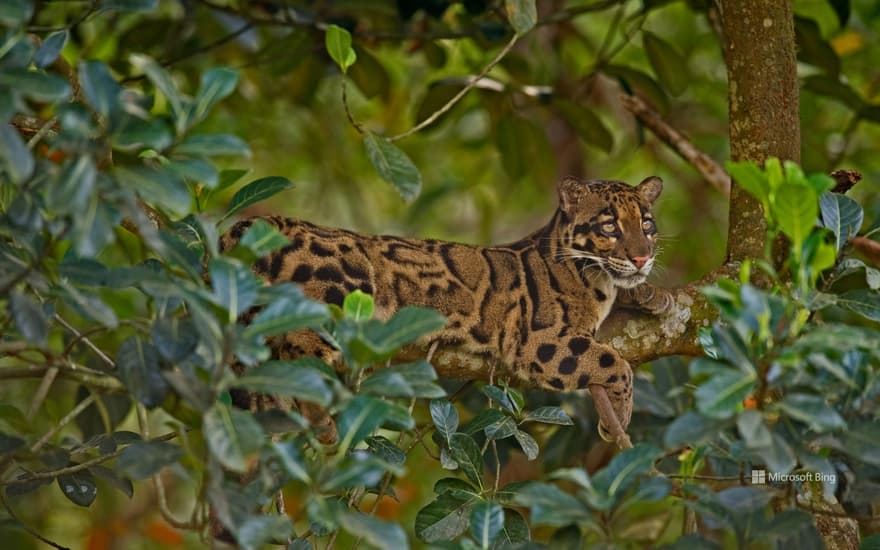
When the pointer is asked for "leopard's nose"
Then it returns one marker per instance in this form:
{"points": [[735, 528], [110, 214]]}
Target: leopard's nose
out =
{"points": [[640, 261]]}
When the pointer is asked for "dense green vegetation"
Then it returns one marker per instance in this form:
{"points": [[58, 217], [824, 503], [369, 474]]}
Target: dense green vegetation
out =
{"points": [[136, 131]]}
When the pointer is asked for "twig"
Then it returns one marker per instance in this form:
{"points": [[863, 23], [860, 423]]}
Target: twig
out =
{"points": [[711, 170], [83, 375], [608, 417], [80, 407], [100, 353], [51, 474], [457, 97], [40, 395], [28, 529]]}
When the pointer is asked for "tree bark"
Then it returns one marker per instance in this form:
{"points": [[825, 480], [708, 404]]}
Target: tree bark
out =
{"points": [[763, 103]]}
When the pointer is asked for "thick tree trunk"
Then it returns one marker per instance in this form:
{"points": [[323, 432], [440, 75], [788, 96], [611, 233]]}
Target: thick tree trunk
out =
{"points": [[763, 95]]}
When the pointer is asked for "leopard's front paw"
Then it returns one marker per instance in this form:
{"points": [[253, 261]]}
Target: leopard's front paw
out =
{"points": [[661, 302]]}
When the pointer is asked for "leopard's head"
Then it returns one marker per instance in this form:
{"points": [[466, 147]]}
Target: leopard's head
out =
{"points": [[608, 225]]}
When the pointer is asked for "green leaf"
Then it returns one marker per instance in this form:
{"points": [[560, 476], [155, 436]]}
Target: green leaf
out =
{"points": [[195, 170], [165, 84], [487, 519], [669, 65], [360, 418], [359, 469], [753, 430], [98, 86], [690, 429], [79, 487], [587, 124], [16, 158], [10, 443], [142, 459], [288, 378], [263, 238], [551, 506], [633, 80], [74, 189], [394, 166], [522, 15], [778, 456], [502, 429], [293, 459], [445, 518], [445, 417], [135, 134], [405, 327], [813, 411], [214, 145], [89, 306], [234, 286], [256, 532], [623, 469], [29, 318], [793, 529], [232, 436], [129, 5], [41, 87], [16, 13], [751, 178], [138, 365], [256, 191], [358, 306], [842, 215], [50, 49], [376, 532], [386, 450], [123, 484], [527, 443], [500, 397], [549, 415], [217, 83], [865, 302], [515, 531], [338, 43], [723, 395], [287, 314], [157, 186], [465, 451]]}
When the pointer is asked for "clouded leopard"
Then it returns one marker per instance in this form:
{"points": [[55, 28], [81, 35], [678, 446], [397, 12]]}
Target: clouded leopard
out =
{"points": [[530, 308]]}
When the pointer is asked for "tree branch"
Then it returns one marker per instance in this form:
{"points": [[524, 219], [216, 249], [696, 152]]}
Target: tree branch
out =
{"points": [[706, 165]]}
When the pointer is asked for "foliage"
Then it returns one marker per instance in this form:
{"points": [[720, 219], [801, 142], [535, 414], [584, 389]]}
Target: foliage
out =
{"points": [[120, 316]]}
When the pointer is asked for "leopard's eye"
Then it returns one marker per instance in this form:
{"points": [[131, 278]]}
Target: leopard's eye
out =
{"points": [[609, 229], [648, 226]]}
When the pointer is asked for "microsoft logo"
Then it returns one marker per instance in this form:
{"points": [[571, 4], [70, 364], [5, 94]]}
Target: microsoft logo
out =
{"points": [[759, 477]]}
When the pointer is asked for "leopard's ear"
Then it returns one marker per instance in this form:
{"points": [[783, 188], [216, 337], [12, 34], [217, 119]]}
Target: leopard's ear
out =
{"points": [[650, 188], [571, 190]]}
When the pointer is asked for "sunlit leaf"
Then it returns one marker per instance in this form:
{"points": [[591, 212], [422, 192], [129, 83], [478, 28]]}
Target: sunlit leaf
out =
{"points": [[338, 43]]}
